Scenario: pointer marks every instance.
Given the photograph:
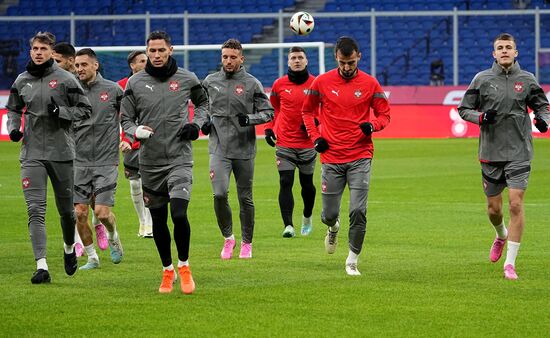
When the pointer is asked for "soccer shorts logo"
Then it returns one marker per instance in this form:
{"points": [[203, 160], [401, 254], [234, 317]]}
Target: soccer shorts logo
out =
{"points": [[324, 186], [26, 182], [212, 174]]}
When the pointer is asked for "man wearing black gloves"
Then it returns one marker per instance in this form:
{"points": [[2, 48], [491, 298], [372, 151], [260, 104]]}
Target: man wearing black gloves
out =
{"points": [[238, 103], [343, 99], [498, 100], [155, 111], [53, 99], [294, 148]]}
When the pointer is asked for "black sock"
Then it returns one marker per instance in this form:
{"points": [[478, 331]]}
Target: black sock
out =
{"points": [[161, 234], [182, 230], [286, 199], [308, 193]]}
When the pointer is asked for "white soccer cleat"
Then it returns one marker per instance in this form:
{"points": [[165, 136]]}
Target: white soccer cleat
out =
{"points": [[351, 269], [289, 231]]}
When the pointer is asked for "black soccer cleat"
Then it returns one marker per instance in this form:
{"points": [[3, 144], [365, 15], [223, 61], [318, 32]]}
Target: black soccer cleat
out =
{"points": [[41, 276], [71, 263]]}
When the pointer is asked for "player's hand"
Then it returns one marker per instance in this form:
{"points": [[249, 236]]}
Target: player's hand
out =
{"points": [[125, 146], [270, 137], [207, 127], [367, 128], [143, 132], [53, 107], [541, 125], [489, 117], [321, 145], [189, 131], [16, 135], [243, 120]]}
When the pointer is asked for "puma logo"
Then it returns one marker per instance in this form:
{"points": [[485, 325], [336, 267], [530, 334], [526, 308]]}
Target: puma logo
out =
{"points": [[216, 88], [493, 86], [336, 92], [149, 86], [29, 84], [289, 91]]}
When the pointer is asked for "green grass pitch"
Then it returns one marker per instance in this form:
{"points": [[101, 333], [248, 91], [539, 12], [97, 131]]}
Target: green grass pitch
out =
{"points": [[425, 267]]}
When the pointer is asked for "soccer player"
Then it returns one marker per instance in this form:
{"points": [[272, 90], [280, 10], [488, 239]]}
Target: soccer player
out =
{"points": [[498, 100], [237, 104], [294, 148], [136, 61], [64, 54], [346, 96], [155, 111], [52, 99], [96, 162]]}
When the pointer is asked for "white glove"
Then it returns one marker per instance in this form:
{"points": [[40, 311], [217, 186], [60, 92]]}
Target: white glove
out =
{"points": [[143, 132]]}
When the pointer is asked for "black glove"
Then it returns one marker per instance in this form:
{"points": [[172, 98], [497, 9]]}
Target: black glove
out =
{"points": [[243, 119], [207, 127], [367, 128], [189, 131], [16, 135], [539, 123], [321, 145], [489, 117], [270, 137], [53, 108]]}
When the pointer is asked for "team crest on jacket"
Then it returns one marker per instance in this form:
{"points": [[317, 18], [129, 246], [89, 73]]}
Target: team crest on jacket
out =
{"points": [[26, 182], [174, 86], [518, 87], [239, 89], [52, 84], [358, 93], [212, 174], [104, 96]]}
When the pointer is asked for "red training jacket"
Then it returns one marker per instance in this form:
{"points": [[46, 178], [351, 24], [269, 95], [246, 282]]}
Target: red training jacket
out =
{"points": [[287, 98], [344, 105]]}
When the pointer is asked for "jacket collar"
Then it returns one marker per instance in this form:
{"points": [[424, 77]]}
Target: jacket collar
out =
{"points": [[497, 69], [239, 74], [98, 79]]}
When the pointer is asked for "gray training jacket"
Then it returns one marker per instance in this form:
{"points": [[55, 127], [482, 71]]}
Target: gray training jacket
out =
{"points": [[510, 93], [97, 138], [47, 137], [231, 94], [163, 106]]}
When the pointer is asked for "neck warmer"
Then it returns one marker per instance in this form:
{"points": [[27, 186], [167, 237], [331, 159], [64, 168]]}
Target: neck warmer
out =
{"points": [[38, 70], [164, 72], [298, 77]]}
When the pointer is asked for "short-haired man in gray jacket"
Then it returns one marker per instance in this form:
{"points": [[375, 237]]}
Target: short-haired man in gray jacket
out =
{"points": [[155, 111], [237, 104], [97, 157], [498, 100], [52, 99]]}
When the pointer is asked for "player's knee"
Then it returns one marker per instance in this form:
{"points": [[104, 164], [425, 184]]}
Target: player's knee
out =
{"points": [[36, 209], [81, 211], [329, 217], [102, 213], [286, 178], [516, 207], [494, 209], [358, 216], [178, 209], [220, 196]]}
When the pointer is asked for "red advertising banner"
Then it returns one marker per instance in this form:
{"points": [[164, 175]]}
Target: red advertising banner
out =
{"points": [[416, 112]]}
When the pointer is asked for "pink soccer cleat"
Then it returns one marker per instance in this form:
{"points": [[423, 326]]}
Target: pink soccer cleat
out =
{"points": [[227, 251], [78, 249], [496, 249], [510, 272], [246, 250], [101, 236]]}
